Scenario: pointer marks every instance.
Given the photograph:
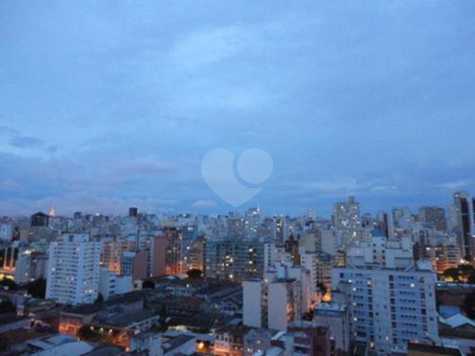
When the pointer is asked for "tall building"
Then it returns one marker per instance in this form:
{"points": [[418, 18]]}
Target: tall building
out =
{"points": [[111, 283], [39, 219], [433, 216], [319, 266], [465, 225], [166, 253], [133, 212], [234, 260], [389, 307], [194, 254], [6, 232], [8, 258], [30, 265], [347, 214], [73, 269], [334, 316], [272, 304], [135, 264]]}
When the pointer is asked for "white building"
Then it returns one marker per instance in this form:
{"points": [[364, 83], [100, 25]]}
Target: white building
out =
{"points": [[6, 232], [335, 317], [381, 251], [390, 306], [347, 214], [254, 299], [272, 303], [111, 283], [73, 269], [319, 266]]}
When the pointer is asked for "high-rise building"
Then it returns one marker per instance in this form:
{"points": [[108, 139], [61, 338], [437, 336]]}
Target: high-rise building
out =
{"points": [[111, 283], [347, 214], [133, 212], [234, 260], [272, 304], [389, 307], [6, 232], [335, 317], [135, 264], [465, 225], [194, 254], [73, 269], [166, 253], [433, 216], [8, 258], [39, 219]]}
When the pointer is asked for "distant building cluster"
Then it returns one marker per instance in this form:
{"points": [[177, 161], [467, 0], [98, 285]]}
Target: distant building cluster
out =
{"points": [[399, 282]]}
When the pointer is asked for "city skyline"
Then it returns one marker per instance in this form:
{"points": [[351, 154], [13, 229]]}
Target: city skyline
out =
{"points": [[111, 105]]}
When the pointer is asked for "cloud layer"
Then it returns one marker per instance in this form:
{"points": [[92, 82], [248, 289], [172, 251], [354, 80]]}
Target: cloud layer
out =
{"points": [[109, 104]]}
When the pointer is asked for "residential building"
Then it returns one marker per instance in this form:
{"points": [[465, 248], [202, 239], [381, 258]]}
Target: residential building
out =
{"points": [[73, 269]]}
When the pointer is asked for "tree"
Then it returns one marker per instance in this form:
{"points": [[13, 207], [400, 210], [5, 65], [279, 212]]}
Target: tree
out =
{"points": [[7, 307], [469, 305], [471, 278], [6, 283], [3, 344], [99, 299], [452, 273], [85, 333], [322, 288], [194, 273], [148, 284], [37, 288]]}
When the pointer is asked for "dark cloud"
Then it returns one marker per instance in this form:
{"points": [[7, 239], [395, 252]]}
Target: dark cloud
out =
{"points": [[26, 142]]}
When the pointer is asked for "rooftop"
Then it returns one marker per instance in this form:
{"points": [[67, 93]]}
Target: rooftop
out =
{"points": [[433, 349]]}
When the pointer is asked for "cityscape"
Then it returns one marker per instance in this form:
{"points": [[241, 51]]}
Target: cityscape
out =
{"points": [[396, 282], [237, 178]]}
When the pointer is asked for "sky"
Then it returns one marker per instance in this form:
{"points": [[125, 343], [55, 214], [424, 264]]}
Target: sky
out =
{"points": [[111, 104]]}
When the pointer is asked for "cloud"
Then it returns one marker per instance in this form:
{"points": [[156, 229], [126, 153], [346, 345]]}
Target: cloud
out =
{"points": [[145, 167], [454, 185], [343, 186], [26, 142], [209, 46], [129, 114], [8, 131], [20, 141], [204, 204]]}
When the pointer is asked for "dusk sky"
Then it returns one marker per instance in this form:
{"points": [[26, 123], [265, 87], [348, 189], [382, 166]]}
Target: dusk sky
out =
{"points": [[110, 104]]}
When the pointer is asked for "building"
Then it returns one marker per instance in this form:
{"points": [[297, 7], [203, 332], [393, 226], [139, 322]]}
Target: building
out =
{"points": [[464, 211], [272, 304], [39, 219], [389, 307], [234, 260], [335, 317], [256, 341], [133, 212], [135, 264], [230, 341], [347, 214], [416, 349], [6, 232], [111, 283], [434, 217], [8, 258], [73, 269], [319, 265], [309, 340], [391, 253], [30, 265], [166, 253], [194, 254]]}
